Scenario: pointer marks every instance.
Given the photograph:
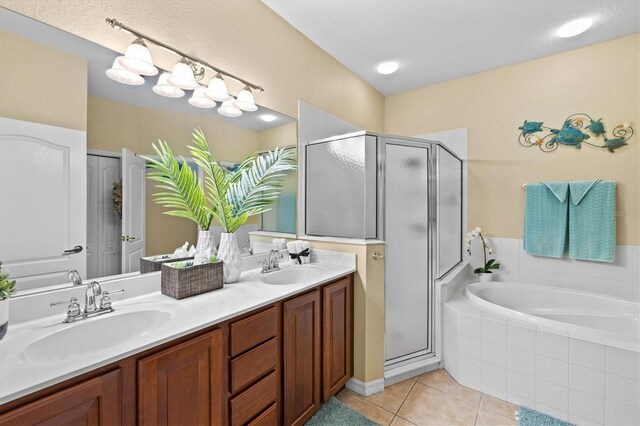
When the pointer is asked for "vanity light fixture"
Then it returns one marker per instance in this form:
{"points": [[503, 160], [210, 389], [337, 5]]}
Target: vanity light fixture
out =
{"points": [[183, 75], [387, 68], [164, 88], [186, 75], [245, 100], [122, 75], [228, 109], [217, 89], [575, 27], [137, 59], [199, 100]]}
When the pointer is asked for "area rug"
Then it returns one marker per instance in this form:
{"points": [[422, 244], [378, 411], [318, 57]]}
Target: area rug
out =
{"points": [[529, 417], [335, 413]]}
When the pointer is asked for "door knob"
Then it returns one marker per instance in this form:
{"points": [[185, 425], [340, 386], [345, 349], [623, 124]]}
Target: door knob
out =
{"points": [[128, 238], [76, 249]]}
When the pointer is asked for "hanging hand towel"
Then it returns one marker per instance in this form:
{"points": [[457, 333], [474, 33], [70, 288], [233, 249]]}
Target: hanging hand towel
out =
{"points": [[545, 219], [592, 220]]}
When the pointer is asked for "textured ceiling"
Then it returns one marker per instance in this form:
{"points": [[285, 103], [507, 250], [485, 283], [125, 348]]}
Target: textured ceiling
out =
{"points": [[100, 58], [435, 40]]}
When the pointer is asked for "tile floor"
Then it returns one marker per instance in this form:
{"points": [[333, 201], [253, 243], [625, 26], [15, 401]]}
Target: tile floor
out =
{"points": [[431, 399]]}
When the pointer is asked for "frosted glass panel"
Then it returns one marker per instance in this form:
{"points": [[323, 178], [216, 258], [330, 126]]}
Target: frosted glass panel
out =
{"points": [[449, 211], [341, 188], [406, 235]]}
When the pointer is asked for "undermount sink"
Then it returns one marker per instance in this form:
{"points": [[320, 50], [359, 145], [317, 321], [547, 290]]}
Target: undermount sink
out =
{"points": [[294, 275], [85, 339]]}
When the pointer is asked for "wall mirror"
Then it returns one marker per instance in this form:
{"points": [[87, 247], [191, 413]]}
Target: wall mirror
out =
{"points": [[72, 183]]}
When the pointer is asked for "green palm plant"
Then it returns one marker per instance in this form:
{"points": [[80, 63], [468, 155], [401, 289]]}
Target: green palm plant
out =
{"points": [[229, 198]]}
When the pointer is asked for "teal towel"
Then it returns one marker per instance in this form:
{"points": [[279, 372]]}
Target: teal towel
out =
{"points": [[545, 219], [592, 220]]}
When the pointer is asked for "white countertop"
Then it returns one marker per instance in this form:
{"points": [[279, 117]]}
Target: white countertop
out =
{"points": [[21, 374]]}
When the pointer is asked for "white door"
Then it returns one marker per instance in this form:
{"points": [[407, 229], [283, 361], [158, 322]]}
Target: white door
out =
{"points": [[103, 222], [133, 210], [43, 208]]}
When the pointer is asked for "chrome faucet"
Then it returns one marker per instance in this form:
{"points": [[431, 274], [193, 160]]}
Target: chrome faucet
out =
{"points": [[271, 263], [74, 277], [93, 290], [91, 308]]}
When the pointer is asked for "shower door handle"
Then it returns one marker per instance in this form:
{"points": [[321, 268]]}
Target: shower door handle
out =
{"points": [[76, 249]]}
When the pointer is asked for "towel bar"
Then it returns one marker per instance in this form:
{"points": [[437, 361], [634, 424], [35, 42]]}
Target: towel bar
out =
{"points": [[524, 185]]}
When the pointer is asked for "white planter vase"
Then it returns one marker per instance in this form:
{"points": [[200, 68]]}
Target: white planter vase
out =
{"points": [[229, 253], [485, 278], [4, 317], [206, 241]]}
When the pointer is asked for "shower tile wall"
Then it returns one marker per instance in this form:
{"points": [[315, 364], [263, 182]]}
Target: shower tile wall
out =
{"points": [[620, 278]]}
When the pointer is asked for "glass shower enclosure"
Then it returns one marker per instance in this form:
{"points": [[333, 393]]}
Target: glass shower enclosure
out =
{"points": [[406, 192]]}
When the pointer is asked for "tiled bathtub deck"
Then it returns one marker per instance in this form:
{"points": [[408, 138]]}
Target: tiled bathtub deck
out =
{"points": [[431, 399]]}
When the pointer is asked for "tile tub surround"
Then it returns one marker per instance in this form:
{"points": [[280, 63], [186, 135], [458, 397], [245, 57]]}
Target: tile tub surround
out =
{"points": [[566, 375], [619, 279]]}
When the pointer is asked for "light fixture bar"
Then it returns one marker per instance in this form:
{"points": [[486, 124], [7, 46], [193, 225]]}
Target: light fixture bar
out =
{"points": [[120, 26]]}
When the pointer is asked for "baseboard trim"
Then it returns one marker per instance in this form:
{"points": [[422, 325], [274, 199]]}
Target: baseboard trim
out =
{"points": [[365, 389], [406, 371]]}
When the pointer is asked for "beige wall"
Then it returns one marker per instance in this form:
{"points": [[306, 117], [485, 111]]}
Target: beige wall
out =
{"points": [[242, 37], [285, 135], [600, 80], [114, 125], [41, 84]]}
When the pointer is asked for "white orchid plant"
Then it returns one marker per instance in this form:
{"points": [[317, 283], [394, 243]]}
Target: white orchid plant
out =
{"points": [[491, 264]]}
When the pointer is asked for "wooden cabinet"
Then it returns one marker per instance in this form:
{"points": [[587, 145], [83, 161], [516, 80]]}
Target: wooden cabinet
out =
{"points": [[301, 332], [183, 385], [337, 336], [94, 402]]}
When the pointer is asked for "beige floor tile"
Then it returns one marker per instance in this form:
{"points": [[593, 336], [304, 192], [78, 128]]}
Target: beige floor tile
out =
{"points": [[441, 380], [429, 406], [499, 406], [399, 421], [364, 407], [491, 418], [392, 397]]}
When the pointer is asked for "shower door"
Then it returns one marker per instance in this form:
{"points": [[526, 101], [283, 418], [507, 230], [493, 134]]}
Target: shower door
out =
{"points": [[406, 232]]}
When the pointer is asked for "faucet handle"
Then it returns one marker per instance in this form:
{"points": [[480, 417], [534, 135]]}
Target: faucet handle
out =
{"points": [[73, 308], [105, 301]]}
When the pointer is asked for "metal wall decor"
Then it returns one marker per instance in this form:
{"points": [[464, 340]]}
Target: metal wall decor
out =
{"points": [[571, 134]]}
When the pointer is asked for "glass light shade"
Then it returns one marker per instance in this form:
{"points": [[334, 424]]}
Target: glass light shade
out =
{"points": [[245, 100], [217, 89], [163, 88], [137, 58], [199, 100], [228, 109], [182, 76], [122, 75]]}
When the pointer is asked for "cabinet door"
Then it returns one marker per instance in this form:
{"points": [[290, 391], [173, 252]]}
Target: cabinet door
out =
{"points": [[94, 402], [183, 384], [337, 337], [301, 358]]}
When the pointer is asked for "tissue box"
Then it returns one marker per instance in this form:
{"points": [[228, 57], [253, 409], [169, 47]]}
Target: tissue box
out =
{"points": [[154, 263], [185, 282]]}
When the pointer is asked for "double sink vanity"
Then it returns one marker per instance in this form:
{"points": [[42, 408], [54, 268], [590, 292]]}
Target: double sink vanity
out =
{"points": [[266, 350]]}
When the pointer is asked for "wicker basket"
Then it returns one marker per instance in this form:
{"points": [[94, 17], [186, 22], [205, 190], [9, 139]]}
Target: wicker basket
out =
{"points": [[181, 283], [153, 263]]}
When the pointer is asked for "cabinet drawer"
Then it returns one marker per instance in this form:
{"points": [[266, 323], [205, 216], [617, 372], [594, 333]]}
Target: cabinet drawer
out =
{"points": [[268, 418], [254, 400], [253, 365], [250, 332]]}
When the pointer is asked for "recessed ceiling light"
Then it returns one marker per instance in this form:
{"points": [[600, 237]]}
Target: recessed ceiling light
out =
{"points": [[575, 27], [388, 67], [268, 118]]}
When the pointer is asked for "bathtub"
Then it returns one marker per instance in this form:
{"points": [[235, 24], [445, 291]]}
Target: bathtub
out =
{"points": [[581, 312], [571, 354]]}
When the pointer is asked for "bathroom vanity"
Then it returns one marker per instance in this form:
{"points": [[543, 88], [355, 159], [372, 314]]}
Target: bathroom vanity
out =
{"points": [[250, 353]]}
